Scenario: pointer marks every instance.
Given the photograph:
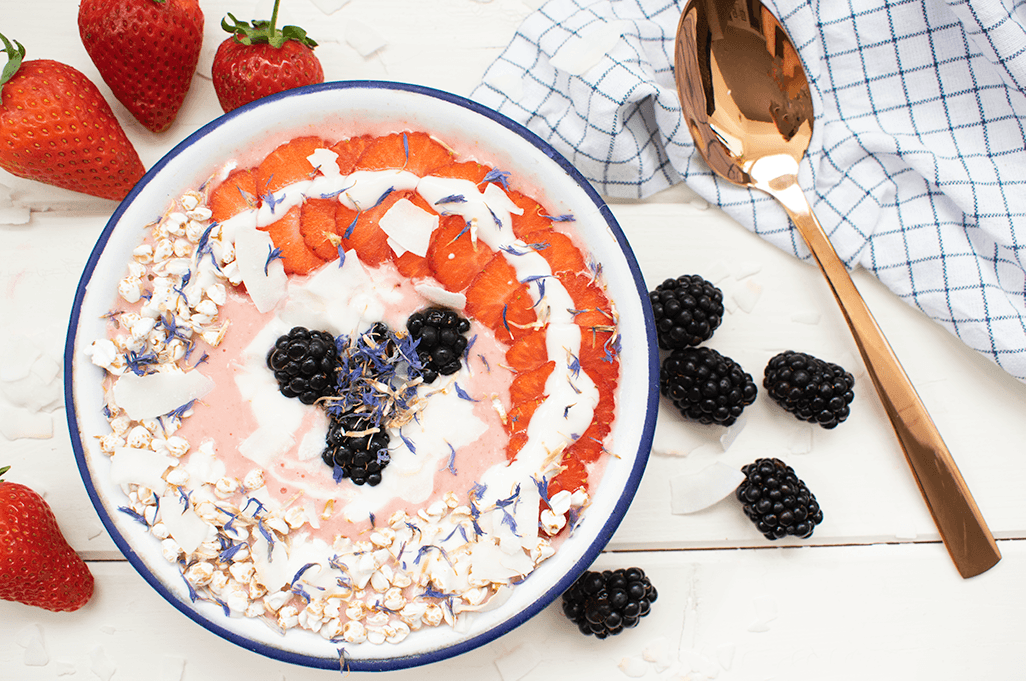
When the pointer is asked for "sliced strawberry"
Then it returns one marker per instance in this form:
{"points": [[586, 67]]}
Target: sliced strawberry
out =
{"points": [[349, 152], [412, 266], [534, 218], [364, 235], [318, 227], [287, 238], [499, 301], [238, 193], [413, 151], [557, 249], [530, 385], [515, 443], [589, 446], [288, 164], [453, 257], [592, 310], [573, 476], [528, 352], [464, 170], [517, 420]]}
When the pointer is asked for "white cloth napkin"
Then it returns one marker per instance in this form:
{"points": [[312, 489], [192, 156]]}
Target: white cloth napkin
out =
{"points": [[917, 167]]}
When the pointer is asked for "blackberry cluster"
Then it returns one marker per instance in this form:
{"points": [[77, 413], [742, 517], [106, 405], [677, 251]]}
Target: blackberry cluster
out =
{"points": [[777, 501], [810, 388], [606, 603], [687, 310], [705, 386], [359, 455], [304, 362], [441, 340]]}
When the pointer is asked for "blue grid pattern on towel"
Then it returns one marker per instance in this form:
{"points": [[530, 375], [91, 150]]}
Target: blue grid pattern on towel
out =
{"points": [[917, 164]]}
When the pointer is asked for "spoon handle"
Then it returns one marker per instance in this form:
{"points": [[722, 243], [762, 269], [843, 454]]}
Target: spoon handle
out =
{"points": [[961, 525]]}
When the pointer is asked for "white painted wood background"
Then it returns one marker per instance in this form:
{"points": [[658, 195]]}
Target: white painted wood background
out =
{"points": [[871, 594]]}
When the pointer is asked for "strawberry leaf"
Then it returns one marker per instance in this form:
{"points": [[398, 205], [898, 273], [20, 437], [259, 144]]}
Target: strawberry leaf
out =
{"points": [[15, 55], [261, 31], [4, 470]]}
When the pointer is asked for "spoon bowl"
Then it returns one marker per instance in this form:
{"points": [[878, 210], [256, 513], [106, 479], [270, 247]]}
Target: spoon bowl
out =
{"points": [[747, 103]]}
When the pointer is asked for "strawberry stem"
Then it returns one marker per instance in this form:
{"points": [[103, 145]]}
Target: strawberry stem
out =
{"points": [[261, 31], [15, 55]]}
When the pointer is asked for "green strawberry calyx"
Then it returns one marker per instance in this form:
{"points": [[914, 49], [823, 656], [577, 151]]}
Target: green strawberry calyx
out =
{"points": [[261, 31], [5, 468], [15, 54]]}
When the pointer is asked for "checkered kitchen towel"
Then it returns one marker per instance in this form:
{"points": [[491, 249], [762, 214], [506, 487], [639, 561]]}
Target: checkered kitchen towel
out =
{"points": [[917, 165]]}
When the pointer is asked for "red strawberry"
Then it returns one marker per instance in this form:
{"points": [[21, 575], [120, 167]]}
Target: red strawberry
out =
{"points": [[349, 152], [499, 301], [261, 60], [37, 566], [41, 102], [318, 227], [237, 194], [557, 249], [413, 151], [454, 258], [288, 239], [592, 310], [412, 266], [464, 170], [573, 476], [528, 352], [534, 217], [146, 51], [529, 385], [288, 164]]}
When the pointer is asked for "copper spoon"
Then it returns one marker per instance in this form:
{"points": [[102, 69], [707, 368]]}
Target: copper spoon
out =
{"points": [[746, 101]]}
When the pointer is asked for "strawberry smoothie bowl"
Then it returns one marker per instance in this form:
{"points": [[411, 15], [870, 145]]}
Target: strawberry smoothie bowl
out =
{"points": [[361, 376]]}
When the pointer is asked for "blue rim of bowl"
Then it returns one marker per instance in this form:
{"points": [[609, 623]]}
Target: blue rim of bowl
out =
{"points": [[437, 654]]}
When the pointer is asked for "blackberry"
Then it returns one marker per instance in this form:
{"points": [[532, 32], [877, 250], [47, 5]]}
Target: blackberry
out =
{"points": [[359, 455], [812, 389], [304, 362], [606, 603], [441, 340], [687, 310], [777, 501], [705, 386]]}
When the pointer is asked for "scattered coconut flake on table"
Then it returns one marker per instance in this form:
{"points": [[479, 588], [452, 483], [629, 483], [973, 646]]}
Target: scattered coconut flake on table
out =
{"points": [[716, 272], [725, 655], [745, 269], [765, 612], [31, 639], [799, 440], [153, 395], [747, 295], [17, 423], [65, 668], [732, 431], [100, 664], [810, 317], [694, 492], [172, 668], [633, 666], [517, 663], [658, 653], [19, 354], [586, 49], [364, 39]]}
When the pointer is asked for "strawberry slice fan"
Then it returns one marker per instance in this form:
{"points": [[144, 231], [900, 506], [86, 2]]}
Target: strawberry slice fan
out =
{"points": [[316, 232]]}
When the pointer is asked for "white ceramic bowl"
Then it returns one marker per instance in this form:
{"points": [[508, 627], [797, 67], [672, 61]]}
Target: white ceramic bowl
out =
{"points": [[342, 109]]}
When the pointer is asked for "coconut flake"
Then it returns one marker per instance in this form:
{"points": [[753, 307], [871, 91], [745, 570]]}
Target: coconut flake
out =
{"points": [[131, 466], [440, 296], [266, 282], [697, 491], [633, 666], [266, 444], [517, 663], [409, 226], [17, 423], [363, 38], [31, 639], [747, 295], [153, 395], [185, 526]]}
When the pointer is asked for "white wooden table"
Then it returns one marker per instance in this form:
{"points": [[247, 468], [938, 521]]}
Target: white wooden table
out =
{"points": [[871, 595]]}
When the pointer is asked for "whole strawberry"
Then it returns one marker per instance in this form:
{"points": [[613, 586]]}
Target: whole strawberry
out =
{"points": [[37, 566], [260, 60], [146, 51], [56, 128]]}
